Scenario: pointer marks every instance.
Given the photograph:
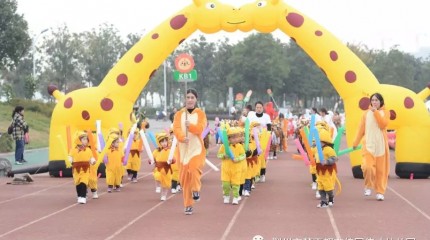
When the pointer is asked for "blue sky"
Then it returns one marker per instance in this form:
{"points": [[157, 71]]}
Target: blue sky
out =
{"points": [[378, 24]]}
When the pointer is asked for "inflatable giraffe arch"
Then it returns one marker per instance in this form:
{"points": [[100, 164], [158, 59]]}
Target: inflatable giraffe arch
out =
{"points": [[113, 99]]}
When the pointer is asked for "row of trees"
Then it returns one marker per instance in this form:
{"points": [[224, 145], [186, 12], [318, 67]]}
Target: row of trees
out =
{"points": [[258, 62]]}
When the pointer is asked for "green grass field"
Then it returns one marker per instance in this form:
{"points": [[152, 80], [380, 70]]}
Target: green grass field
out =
{"points": [[38, 117]]}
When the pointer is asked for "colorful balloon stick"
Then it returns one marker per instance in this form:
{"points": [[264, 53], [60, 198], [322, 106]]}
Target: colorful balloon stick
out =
{"points": [[246, 134], [146, 146], [337, 140], [307, 147], [172, 150], [302, 152], [128, 144], [348, 150]]}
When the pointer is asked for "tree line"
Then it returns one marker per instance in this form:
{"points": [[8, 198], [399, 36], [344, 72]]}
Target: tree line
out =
{"points": [[258, 62]]}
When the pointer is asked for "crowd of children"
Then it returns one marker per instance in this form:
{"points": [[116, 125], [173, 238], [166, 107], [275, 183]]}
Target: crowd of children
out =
{"points": [[244, 148]]}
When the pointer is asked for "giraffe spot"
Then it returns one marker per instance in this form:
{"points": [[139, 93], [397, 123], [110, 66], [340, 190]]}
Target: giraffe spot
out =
{"points": [[68, 103], [85, 115], [409, 103], [178, 22], [350, 76], [106, 104], [364, 103], [333, 55], [153, 73], [182, 40], [138, 58], [51, 89], [295, 19], [393, 115], [122, 79], [318, 33], [155, 36]]}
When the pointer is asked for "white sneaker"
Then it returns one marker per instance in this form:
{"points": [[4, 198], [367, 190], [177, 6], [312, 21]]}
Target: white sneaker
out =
{"points": [[314, 186], [174, 191], [82, 200], [275, 157], [379, 197], [95, 195], [163, 198], [253, 186], [317, 195], [121, 185], [134, 180], [178, 188], [235, 201], [263, 178], [330, 204], [158, 189], [246, 193], [226, 199], [367, 192], [240, 198]]}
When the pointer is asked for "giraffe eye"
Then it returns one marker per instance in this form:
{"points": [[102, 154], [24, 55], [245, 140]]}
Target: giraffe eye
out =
{"points": [[261, 4], [210, 5]]}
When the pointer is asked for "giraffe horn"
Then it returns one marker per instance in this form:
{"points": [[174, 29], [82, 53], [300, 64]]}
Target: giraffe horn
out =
{"points": [[198, 3]]}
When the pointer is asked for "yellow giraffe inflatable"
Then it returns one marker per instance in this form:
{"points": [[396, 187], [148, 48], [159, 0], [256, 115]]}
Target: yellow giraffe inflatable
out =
{"points": [[112, 100]]}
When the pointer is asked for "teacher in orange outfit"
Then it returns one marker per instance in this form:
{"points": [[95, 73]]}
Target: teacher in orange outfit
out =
{"points": [[376, 155], [188, 125]]}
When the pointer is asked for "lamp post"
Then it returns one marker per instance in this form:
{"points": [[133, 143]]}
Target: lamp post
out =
{"points": [[35, 38]]}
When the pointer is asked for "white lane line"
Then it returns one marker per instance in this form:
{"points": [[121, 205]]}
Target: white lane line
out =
{"points": [[333, 224], [37, 220], [233, 220], [410, 203], [34, 193], [130, 223], [54, 213]]}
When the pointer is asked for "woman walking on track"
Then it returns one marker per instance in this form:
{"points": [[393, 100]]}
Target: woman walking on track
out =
{"points": [[376, 158], [188, 126]]}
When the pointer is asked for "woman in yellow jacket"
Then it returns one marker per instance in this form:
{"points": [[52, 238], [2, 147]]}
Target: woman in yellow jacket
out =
{"points": [[188, 125], [376, 155]]}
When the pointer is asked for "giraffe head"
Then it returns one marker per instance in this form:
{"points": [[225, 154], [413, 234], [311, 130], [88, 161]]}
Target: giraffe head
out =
{"points": [[211, 16], [262, 15]]}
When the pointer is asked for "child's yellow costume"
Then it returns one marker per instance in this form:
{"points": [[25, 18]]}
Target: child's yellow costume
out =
{"points": [[326, 170], [114, 166], [231, 169], [162, 172], [134, 162], [81, 157]]}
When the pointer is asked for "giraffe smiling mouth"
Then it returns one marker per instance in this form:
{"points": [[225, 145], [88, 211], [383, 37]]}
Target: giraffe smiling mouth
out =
{"points": [[236, 22]]}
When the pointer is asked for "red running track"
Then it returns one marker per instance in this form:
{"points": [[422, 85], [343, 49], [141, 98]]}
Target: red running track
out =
{"points": [[284, 207]]}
